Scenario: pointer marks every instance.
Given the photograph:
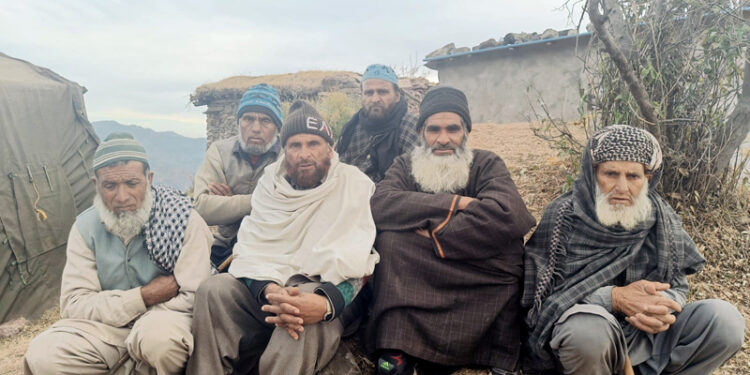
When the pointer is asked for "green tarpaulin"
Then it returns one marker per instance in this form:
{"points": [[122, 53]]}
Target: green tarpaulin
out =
{"points": [[46, 149]]}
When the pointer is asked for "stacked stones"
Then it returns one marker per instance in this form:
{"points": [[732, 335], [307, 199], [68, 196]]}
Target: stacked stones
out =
{"points": [[509, 39]]}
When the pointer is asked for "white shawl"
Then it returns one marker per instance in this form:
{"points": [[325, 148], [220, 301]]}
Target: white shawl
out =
{"points": [[327, 231]]}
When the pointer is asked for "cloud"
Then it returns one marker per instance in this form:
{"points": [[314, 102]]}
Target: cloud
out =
{"points": [[145, 58]]}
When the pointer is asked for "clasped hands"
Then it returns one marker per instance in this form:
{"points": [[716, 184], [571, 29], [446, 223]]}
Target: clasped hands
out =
{"points": [[293, 309], [645, 306]]}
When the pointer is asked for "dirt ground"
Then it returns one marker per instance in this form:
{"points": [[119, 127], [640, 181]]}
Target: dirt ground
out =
{"points": [[539, 175]]}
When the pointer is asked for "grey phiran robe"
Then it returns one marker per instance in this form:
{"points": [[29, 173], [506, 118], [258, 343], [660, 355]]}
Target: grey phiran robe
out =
{"points": [[453, 299]]}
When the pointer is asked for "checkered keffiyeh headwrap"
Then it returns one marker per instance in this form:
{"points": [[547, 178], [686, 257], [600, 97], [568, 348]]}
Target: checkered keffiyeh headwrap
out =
{"points": [[571, 254], [165, 231], [626, 143]]}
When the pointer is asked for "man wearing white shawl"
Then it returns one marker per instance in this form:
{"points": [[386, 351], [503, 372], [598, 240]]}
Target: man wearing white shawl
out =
{"points": [[299, 260]]}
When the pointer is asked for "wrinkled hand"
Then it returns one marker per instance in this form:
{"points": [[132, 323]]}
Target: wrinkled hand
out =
{"points": [[219, 189], [294, 309], [463, 202], [644, 305], [423, 232], [160, 289]]}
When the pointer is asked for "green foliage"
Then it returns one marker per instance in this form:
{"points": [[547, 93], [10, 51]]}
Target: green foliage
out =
{"points": [[337, 108]]}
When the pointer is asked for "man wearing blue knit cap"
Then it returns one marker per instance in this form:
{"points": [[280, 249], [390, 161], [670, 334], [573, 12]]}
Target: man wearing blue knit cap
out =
{"points": [[225, 181], [383, 129]]}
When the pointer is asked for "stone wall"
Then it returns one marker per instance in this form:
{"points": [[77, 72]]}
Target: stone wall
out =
{"points": [[509, 84], [221, 119]]}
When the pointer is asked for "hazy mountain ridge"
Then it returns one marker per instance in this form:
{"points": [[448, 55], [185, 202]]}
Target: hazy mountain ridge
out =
{"points": [[173, 158]]}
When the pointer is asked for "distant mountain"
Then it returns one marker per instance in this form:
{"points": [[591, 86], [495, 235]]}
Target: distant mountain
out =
{"points": [[173, 158]]}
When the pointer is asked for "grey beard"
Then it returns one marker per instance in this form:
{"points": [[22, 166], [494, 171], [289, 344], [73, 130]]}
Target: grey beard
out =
{"points": [[627, 217], [441, 174], [125, 225], [257, 149]]}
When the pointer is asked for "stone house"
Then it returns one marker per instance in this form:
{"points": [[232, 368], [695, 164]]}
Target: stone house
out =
{"points": [[508, 80], [222, 97]]}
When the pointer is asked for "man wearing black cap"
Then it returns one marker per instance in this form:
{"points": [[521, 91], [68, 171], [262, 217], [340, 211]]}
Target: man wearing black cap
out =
{"points": [[299, 259], [450, 233]]}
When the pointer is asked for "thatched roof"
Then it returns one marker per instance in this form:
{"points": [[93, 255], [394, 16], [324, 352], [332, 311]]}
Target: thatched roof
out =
{"points": [[290, 86]]}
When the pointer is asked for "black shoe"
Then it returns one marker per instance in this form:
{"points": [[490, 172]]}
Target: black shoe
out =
{"points": [[395, 363], [429, 368]]}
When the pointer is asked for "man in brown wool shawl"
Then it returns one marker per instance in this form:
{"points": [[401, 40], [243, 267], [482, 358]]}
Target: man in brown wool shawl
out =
{"points": [[450, 233]]}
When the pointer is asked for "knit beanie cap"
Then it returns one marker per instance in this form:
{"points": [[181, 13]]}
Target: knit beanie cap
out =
{"points": [[444, 99], [261, 98], [626, 143], [303, 118], [119, 146], [380, 71]]}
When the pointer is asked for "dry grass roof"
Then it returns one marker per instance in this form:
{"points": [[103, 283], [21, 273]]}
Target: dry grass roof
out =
{"points": [[300, 82]]}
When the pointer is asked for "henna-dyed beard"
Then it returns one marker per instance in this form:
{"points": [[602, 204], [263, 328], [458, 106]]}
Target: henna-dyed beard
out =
{"points": [[309, 178]]}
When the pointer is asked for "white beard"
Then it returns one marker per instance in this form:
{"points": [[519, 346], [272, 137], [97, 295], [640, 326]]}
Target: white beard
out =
{"points": [[256, 149], [627, 217], [441, 174], [128, 224]]}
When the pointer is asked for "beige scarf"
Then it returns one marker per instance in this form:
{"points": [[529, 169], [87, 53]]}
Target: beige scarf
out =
{"points": [[327, 231]]}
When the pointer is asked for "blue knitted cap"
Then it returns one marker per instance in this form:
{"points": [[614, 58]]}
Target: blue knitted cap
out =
{"points": [[261, 98], [380, 71]]}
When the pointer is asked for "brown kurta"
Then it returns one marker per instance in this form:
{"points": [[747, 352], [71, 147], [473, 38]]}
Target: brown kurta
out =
{"points": [[452, 299]]}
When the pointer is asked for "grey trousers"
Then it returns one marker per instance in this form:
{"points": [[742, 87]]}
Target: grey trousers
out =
{"points": [[589, 340], [232, 337]]}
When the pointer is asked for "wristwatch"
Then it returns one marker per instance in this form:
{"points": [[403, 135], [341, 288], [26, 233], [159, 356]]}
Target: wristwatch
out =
{"points": [[329, 311]]}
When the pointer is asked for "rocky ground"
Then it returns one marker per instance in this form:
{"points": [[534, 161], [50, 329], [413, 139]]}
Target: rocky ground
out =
{"points": [[540, 176]]}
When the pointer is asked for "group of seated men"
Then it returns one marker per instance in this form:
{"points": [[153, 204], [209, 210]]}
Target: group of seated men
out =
{"points": [[402, 209]]}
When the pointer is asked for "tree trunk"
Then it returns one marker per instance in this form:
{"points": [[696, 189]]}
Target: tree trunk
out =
{"points": [[738, 124], [635, 85]]}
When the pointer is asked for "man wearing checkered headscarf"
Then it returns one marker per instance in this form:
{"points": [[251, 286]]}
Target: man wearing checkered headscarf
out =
{"points": [[605, 274], [134, 262]]}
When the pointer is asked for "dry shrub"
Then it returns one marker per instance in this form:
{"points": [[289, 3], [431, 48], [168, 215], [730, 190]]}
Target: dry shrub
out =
{"points": [[337, 108]]}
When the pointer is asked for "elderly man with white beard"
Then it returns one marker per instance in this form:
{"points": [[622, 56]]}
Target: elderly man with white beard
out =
{"points": [[226, 179], [450, 234], [605, 274], [134, 262]]}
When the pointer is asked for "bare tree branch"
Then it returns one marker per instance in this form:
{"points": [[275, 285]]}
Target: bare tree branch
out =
{"points": [[636, 86]]}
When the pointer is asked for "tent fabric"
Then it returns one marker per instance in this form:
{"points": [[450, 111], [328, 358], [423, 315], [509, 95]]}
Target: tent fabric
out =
{"points": [[46, 150]]}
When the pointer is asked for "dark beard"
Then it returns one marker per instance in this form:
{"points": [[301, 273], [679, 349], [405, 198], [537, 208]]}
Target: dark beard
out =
{"points": [[379, 116], [304, 181]]}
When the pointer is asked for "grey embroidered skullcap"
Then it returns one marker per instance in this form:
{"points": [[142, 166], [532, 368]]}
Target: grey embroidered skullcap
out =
{"points": [[626, 143], [119, 146]]}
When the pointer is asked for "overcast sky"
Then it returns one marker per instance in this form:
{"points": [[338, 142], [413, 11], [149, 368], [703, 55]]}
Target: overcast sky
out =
{"points": [[140, 60]]}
